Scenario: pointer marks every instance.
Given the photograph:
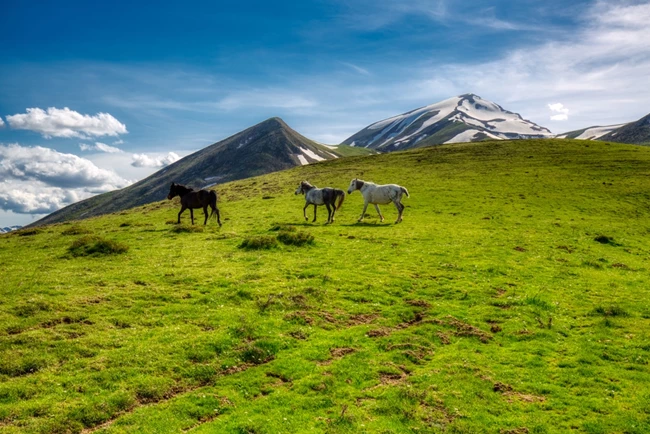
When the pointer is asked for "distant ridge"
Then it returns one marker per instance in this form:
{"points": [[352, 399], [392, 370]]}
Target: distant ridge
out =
{"points": [[464, 118], [634, 133], [266, 147]]}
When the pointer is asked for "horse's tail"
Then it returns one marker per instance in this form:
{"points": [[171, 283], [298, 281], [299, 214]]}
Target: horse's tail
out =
{"points": [[405, 191], [341, 195]]}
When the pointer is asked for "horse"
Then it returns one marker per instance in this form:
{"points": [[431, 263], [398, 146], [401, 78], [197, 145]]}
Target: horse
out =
{"points": [[195, 199], [321, 196], [379, 194]]}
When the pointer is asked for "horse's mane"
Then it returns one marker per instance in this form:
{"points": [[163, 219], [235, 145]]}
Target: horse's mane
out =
{"points": [[307, 185]]}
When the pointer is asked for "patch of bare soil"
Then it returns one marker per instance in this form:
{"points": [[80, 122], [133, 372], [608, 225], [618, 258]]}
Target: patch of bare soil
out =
{"points": [[362, 318], [340, 352], [384, 331], [465, 329], [418, 303]]}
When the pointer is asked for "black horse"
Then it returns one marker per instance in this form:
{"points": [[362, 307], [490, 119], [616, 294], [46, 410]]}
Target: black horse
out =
{"points": [[195, 199]]}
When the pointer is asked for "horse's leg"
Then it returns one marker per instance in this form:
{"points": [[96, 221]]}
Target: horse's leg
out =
{"points": [[363, 213], [381, 217], [329, 213], [205, 211], [400, 208], [183, 208], [304, 211], [192, 215], [315, 207], [218, 216], [333, 210]]}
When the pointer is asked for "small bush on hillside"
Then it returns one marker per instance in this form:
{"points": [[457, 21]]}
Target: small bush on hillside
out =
{"points": [[262, 242], [259, 352], [295, 238], [75, 230], [183, 229], [604, 239], [282, 227], [28, 232], [96, 246]]}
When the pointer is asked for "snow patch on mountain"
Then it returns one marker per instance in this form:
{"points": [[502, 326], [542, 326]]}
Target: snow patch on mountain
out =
{"points": [[311, 154], [597, 132], [302, 159]]}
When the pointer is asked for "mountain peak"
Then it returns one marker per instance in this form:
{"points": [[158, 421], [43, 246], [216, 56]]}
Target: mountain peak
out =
{"points": [[464, 118]]}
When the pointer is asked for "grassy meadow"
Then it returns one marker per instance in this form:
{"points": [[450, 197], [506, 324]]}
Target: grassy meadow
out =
{"points": [[514, 298]]}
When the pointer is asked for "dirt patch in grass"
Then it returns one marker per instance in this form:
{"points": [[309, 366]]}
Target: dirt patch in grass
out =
{"points": [[28, 232], [384, 331], [519, 249], [465, 329], [418, 303], [362, 318], [604, 239], [522, 430], [621, 266], [340, 352]]}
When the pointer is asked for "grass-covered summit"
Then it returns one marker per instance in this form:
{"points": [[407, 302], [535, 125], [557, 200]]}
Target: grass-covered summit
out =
{"points": [[514, 298]]}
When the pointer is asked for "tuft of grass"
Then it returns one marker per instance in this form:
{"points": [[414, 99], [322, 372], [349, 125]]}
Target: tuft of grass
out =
{"points": [[611, 310], [295, 238], [96, 246], [185, 229], [262, 242], [76, 230], [28, 232]]}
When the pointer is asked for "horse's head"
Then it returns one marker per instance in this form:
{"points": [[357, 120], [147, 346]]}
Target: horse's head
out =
{"points": [[355, 184], [303, 188], [172, 192]]}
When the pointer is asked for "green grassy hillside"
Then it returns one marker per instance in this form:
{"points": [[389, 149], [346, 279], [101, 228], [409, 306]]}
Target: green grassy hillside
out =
{"points": [[514, 298]]}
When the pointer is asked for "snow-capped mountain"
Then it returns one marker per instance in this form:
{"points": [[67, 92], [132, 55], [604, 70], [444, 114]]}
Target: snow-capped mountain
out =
{"points": [[464, 118], [9, 229]]}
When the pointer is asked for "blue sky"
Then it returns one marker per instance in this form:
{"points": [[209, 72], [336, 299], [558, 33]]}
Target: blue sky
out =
{"points": [[173, 77]]}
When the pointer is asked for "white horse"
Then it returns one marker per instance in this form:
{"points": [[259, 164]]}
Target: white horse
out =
{"points": [[379, 194], [321, 196]]}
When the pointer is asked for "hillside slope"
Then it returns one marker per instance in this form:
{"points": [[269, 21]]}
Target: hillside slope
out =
{"points": [[266, 147], [465, 118], [635, 132], [513, 298]]}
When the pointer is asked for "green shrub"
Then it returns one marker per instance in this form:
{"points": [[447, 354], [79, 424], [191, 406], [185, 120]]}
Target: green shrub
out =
{"points": [[258, 243], [295, 238], [96, 246], [75, 230], [184, 229]]}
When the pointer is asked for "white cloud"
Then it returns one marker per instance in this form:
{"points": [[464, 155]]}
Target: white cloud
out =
{"points": [[101, 147], [66, 123], [144, 160], [55, 169], [38, 180], [118, 142], [562, 112], [2, 123]]}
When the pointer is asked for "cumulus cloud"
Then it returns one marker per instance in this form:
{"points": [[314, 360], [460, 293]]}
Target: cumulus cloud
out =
{"points": [[100, 147], [55, 122], [562, 113], [55, 169], [38, 180], [144, 160], [2, 123]]}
